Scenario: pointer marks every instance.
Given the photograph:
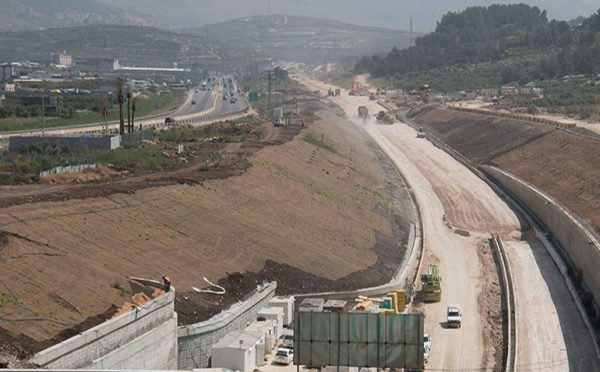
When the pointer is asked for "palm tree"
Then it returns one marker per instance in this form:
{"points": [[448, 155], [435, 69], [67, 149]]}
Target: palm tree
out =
{"points": [[105, 110], [133, 114], [129, 128], [120, 101]]}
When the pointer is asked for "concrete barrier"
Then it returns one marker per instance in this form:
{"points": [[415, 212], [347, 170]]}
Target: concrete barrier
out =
{"points": [[577, 244], [195, 341], [145, 338]]}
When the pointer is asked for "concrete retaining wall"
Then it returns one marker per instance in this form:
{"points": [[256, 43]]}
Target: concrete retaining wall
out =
{"points": [[140, 339], [196, 340], [578, 247]]}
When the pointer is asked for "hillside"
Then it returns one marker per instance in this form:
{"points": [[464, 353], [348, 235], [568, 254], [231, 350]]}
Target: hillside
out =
{"points": [[304, 39], [315, 208], [564, 165], [20, 15], [136, 45]]}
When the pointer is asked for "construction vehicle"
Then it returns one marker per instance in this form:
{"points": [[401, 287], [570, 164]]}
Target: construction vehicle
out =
{"points": [[454, 317], [372, 97], [330, 92], [357, 89], [383, 118], [431, 285], [338, 92], [278, 120], [363, 112], [420, 133]]}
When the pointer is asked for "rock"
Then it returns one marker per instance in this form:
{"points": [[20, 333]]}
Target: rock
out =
{"points": [[3, 363]]}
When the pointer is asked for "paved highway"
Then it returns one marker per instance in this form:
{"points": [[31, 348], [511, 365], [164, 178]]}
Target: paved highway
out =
{"points": [[209, 105]]}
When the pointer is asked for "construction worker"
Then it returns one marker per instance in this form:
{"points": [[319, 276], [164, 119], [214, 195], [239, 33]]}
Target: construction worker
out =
{"points": [[167, 281]]}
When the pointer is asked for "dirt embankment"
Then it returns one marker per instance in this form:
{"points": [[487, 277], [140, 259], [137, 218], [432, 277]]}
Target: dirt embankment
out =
{"points": [[563, 164], [313, 209], [479, 137]]}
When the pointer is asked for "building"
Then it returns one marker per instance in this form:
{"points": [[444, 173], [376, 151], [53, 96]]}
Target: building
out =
{"points": [[236, 351], [10, 87], [62, 59]]}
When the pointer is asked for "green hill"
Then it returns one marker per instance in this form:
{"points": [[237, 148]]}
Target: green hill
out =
{"points": [[132, 45], [304, 39]]}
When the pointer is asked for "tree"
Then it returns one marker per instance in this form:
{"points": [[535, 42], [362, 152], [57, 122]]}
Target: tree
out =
{"points": [[133, 114], [120, 101], [105, 110], [129, 129]]}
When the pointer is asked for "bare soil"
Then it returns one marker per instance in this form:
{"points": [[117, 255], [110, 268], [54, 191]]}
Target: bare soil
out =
{"points": [[565, 166], [479, 137], [278, 208]]}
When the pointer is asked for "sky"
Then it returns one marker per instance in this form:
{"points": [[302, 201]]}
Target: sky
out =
{"points": [[383, 13]]}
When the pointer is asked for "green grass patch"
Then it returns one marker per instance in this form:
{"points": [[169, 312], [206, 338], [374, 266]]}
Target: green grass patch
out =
{"points": [[148, 105], [313, 140]]}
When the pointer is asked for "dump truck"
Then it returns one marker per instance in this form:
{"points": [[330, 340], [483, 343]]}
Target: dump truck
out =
{"points": [[372, 97], [384, 118], [330, 92], [454, 317], [420, 133], [363, 112], [338, 92], [431, 284]]}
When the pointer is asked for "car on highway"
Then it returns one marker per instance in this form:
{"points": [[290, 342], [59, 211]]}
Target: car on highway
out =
{"points": [[193, 102], [233, 100], [284, 356]]}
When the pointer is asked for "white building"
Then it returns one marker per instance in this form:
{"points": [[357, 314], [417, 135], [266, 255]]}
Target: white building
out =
{"points": [[10, 87], [62, 59], [236, 351]]}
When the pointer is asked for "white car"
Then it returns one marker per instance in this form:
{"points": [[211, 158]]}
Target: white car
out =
{"points": [[454, 319], [427, 342], [287, 340], [284, 356]]}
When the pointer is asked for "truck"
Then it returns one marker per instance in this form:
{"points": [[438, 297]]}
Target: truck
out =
{"points": [[363, 112], [372, 97], [431, 284], [330, 92], [420, 133], [204, 85], [278, 117], [383, 118], [338, 92], [454, 317]]}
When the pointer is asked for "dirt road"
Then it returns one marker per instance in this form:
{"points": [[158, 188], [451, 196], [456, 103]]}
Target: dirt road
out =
{"points": [[450, 196]]}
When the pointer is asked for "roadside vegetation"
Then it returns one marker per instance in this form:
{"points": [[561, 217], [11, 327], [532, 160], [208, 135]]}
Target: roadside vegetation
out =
{"points": [[79, 109], [282, 88], [158, 154]]}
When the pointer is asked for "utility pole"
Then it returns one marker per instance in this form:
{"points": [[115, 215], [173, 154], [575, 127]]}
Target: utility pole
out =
{"points": [[412, 39], [43, 114], [269, 92]]}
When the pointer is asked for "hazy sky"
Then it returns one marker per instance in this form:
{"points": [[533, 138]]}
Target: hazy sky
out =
{"points": [[384, 13]]}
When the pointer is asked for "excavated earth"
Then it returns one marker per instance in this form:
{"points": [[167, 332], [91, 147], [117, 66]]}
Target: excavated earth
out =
{"points": [[315, 208], [564, 164]]}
